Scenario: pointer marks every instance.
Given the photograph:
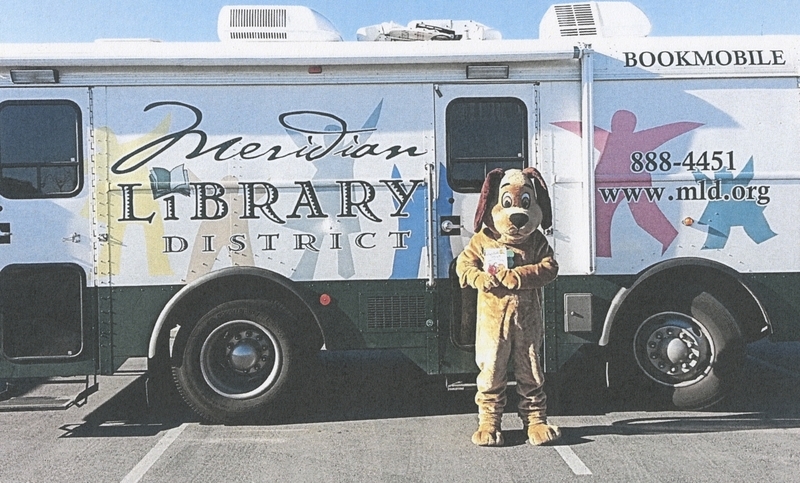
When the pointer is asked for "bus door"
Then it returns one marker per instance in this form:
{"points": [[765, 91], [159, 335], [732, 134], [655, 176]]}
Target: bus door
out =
{"points": [[45, 232], [478, 128]]}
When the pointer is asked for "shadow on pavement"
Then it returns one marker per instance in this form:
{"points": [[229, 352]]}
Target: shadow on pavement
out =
{"points": [[766, 397], [356, 385], [344, 386], [364, 385]]}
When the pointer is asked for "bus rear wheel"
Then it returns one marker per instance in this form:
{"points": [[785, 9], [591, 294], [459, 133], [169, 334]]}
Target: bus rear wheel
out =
{"points": [[682, 352], [237, 362]]}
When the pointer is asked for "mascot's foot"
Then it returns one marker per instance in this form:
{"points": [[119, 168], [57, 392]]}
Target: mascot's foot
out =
{"points": [[539, 432], [488, 433]]}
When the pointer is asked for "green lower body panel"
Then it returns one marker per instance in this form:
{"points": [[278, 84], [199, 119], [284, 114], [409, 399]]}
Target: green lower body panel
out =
{"points": [[431, 327]]}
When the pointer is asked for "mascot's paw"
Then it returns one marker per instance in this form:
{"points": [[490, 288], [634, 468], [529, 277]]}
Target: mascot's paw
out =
{"points": [[543, 433], [488, 435], [508, 279], [486, 281]]}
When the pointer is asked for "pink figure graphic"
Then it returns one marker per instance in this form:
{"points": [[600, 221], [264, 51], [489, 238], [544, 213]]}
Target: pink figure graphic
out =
{"points": [[614, 166]]}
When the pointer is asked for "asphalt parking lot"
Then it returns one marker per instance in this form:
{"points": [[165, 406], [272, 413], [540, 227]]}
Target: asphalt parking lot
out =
{"points": [[375, 417]]}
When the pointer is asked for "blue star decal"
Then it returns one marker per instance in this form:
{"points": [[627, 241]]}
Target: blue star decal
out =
{"points": [[734, 205]]}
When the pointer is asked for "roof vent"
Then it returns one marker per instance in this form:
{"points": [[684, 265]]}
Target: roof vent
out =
{"points": [[428, 30], [277, 23], [594, 19]]}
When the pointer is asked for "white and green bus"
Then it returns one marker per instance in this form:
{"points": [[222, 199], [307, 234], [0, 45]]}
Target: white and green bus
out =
{"points": [[228, 209]]}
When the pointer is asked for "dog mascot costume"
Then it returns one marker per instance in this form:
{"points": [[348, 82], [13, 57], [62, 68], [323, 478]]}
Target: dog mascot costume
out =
{"points": [[508, 261]]}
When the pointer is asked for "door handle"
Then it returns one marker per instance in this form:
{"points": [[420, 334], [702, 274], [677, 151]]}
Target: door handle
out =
{"points": [[5, 233], [450, 225]]}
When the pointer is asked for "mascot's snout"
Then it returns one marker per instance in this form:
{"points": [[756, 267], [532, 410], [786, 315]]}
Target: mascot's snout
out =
{"points": [[508, 260], [518, 219]]}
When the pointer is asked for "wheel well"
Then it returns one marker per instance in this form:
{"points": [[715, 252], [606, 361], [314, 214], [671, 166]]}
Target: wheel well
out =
{"points": [[719, 281], [192, 304]]}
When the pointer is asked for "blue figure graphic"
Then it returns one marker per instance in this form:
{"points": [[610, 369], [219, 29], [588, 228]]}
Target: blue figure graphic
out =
{"points": [[444, 207], [734, 205], [407, 260]]}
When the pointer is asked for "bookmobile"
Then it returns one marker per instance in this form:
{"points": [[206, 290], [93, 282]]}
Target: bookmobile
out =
{"points": [[228, 209]]}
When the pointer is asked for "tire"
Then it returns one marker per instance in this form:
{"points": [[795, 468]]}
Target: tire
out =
{"points": [[163, 398], [681, 352], [238, 362]]}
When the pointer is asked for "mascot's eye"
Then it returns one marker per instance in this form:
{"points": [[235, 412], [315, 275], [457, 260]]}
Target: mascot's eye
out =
{"points": [[526, 200], [506, 201]]}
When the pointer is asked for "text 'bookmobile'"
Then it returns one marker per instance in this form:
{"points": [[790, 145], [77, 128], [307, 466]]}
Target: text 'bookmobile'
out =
{"points": [[228, 209]]}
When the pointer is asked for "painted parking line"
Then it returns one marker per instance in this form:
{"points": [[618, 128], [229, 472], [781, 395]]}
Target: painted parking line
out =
{"points": [[154, 454], [572, 460]]}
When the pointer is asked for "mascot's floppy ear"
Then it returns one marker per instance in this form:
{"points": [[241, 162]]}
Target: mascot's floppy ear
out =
{"points": [[489, 192], [542, 196]]}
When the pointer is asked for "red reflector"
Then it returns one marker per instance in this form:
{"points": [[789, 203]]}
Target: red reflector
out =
{"points": [[315, 69], [325, 299]]}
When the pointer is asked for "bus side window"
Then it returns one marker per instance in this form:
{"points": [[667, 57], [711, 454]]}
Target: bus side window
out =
{"points": [[484, 134], [40, 149]]}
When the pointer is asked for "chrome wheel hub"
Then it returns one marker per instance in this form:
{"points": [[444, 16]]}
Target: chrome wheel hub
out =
{"points": [[240, 359], [247, 351], [673, 349]]}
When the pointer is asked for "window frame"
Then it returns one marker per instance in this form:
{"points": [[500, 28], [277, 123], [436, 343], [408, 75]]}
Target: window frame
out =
{"points": [[474, 186], [78, 164]]}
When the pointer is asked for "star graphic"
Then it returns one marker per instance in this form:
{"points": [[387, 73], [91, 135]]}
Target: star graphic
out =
{"points": [[732, 209]]}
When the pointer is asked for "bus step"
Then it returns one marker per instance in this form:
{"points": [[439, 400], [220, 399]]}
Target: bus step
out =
{"points": [[40, 396], [461, 385], [35, 403]]}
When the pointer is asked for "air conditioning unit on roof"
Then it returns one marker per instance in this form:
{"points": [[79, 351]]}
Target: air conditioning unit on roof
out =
{"points": [[274, 22], [594, 19]]}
